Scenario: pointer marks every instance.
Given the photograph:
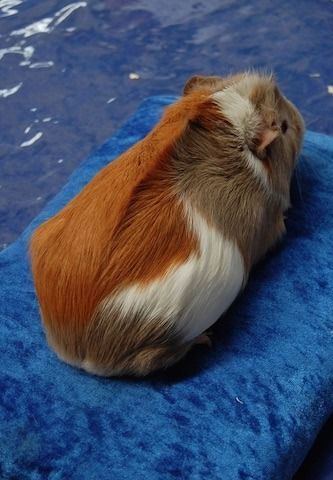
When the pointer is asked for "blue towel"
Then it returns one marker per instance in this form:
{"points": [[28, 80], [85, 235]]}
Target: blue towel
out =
{"points": [[249, 408]]}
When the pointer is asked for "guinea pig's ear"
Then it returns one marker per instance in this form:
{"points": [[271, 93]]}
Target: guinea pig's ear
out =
{"points": [[266, 135], [201, 82]]}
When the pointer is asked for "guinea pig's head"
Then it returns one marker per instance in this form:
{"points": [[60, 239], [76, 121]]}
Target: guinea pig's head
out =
{"points": [[258, 120]]}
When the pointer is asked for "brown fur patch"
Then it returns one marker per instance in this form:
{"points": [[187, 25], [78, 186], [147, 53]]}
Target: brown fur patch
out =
{"points": [[135, 345], [213, 165]]}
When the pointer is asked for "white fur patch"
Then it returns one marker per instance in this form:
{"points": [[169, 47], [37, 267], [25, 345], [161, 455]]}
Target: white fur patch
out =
{"points": [[257, 168], [235, 105], [194, 295], [237, 108]]}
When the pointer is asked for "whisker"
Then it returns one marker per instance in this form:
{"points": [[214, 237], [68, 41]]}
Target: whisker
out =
{"points": [[311, 122]]}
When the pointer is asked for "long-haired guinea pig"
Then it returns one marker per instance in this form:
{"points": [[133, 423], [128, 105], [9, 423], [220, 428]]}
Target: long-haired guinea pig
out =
{"points": [[135, 269]]}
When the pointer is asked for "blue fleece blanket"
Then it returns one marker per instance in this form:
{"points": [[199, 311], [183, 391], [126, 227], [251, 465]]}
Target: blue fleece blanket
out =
{"points": [[249, 408]]}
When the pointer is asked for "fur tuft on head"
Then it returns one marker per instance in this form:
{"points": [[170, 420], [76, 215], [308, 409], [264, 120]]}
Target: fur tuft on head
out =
{"points": [[250, 104]]}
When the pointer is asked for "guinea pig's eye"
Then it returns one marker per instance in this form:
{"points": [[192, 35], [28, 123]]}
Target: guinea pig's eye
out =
{"points": [[284, 126]]}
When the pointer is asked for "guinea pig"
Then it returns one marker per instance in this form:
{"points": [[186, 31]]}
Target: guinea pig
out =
{"points": [[136, 268]]}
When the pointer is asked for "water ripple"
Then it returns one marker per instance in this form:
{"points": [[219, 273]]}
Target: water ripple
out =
{"points": [[42, 64], [6, 92], [26, 52], [7, 7], [32, 140], [48, 24]]}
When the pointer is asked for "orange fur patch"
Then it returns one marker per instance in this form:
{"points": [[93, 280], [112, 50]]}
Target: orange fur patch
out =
{"points": [[125, 226]]}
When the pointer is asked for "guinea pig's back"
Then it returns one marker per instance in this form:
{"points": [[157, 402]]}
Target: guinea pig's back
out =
{"points": [[125, 227], [118, 249]]}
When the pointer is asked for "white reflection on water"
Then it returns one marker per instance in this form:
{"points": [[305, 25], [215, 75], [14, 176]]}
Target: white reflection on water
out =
{"points": [[32, 140], [7, 7], [42, 65], [26, 52], [6, 92], [48, 24]]}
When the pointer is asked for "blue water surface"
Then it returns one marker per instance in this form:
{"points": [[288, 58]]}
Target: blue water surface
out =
{"points": [[70, 74]]}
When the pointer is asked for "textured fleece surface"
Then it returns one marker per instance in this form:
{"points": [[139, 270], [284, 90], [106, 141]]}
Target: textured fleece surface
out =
{"points": [[249, 408]]}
